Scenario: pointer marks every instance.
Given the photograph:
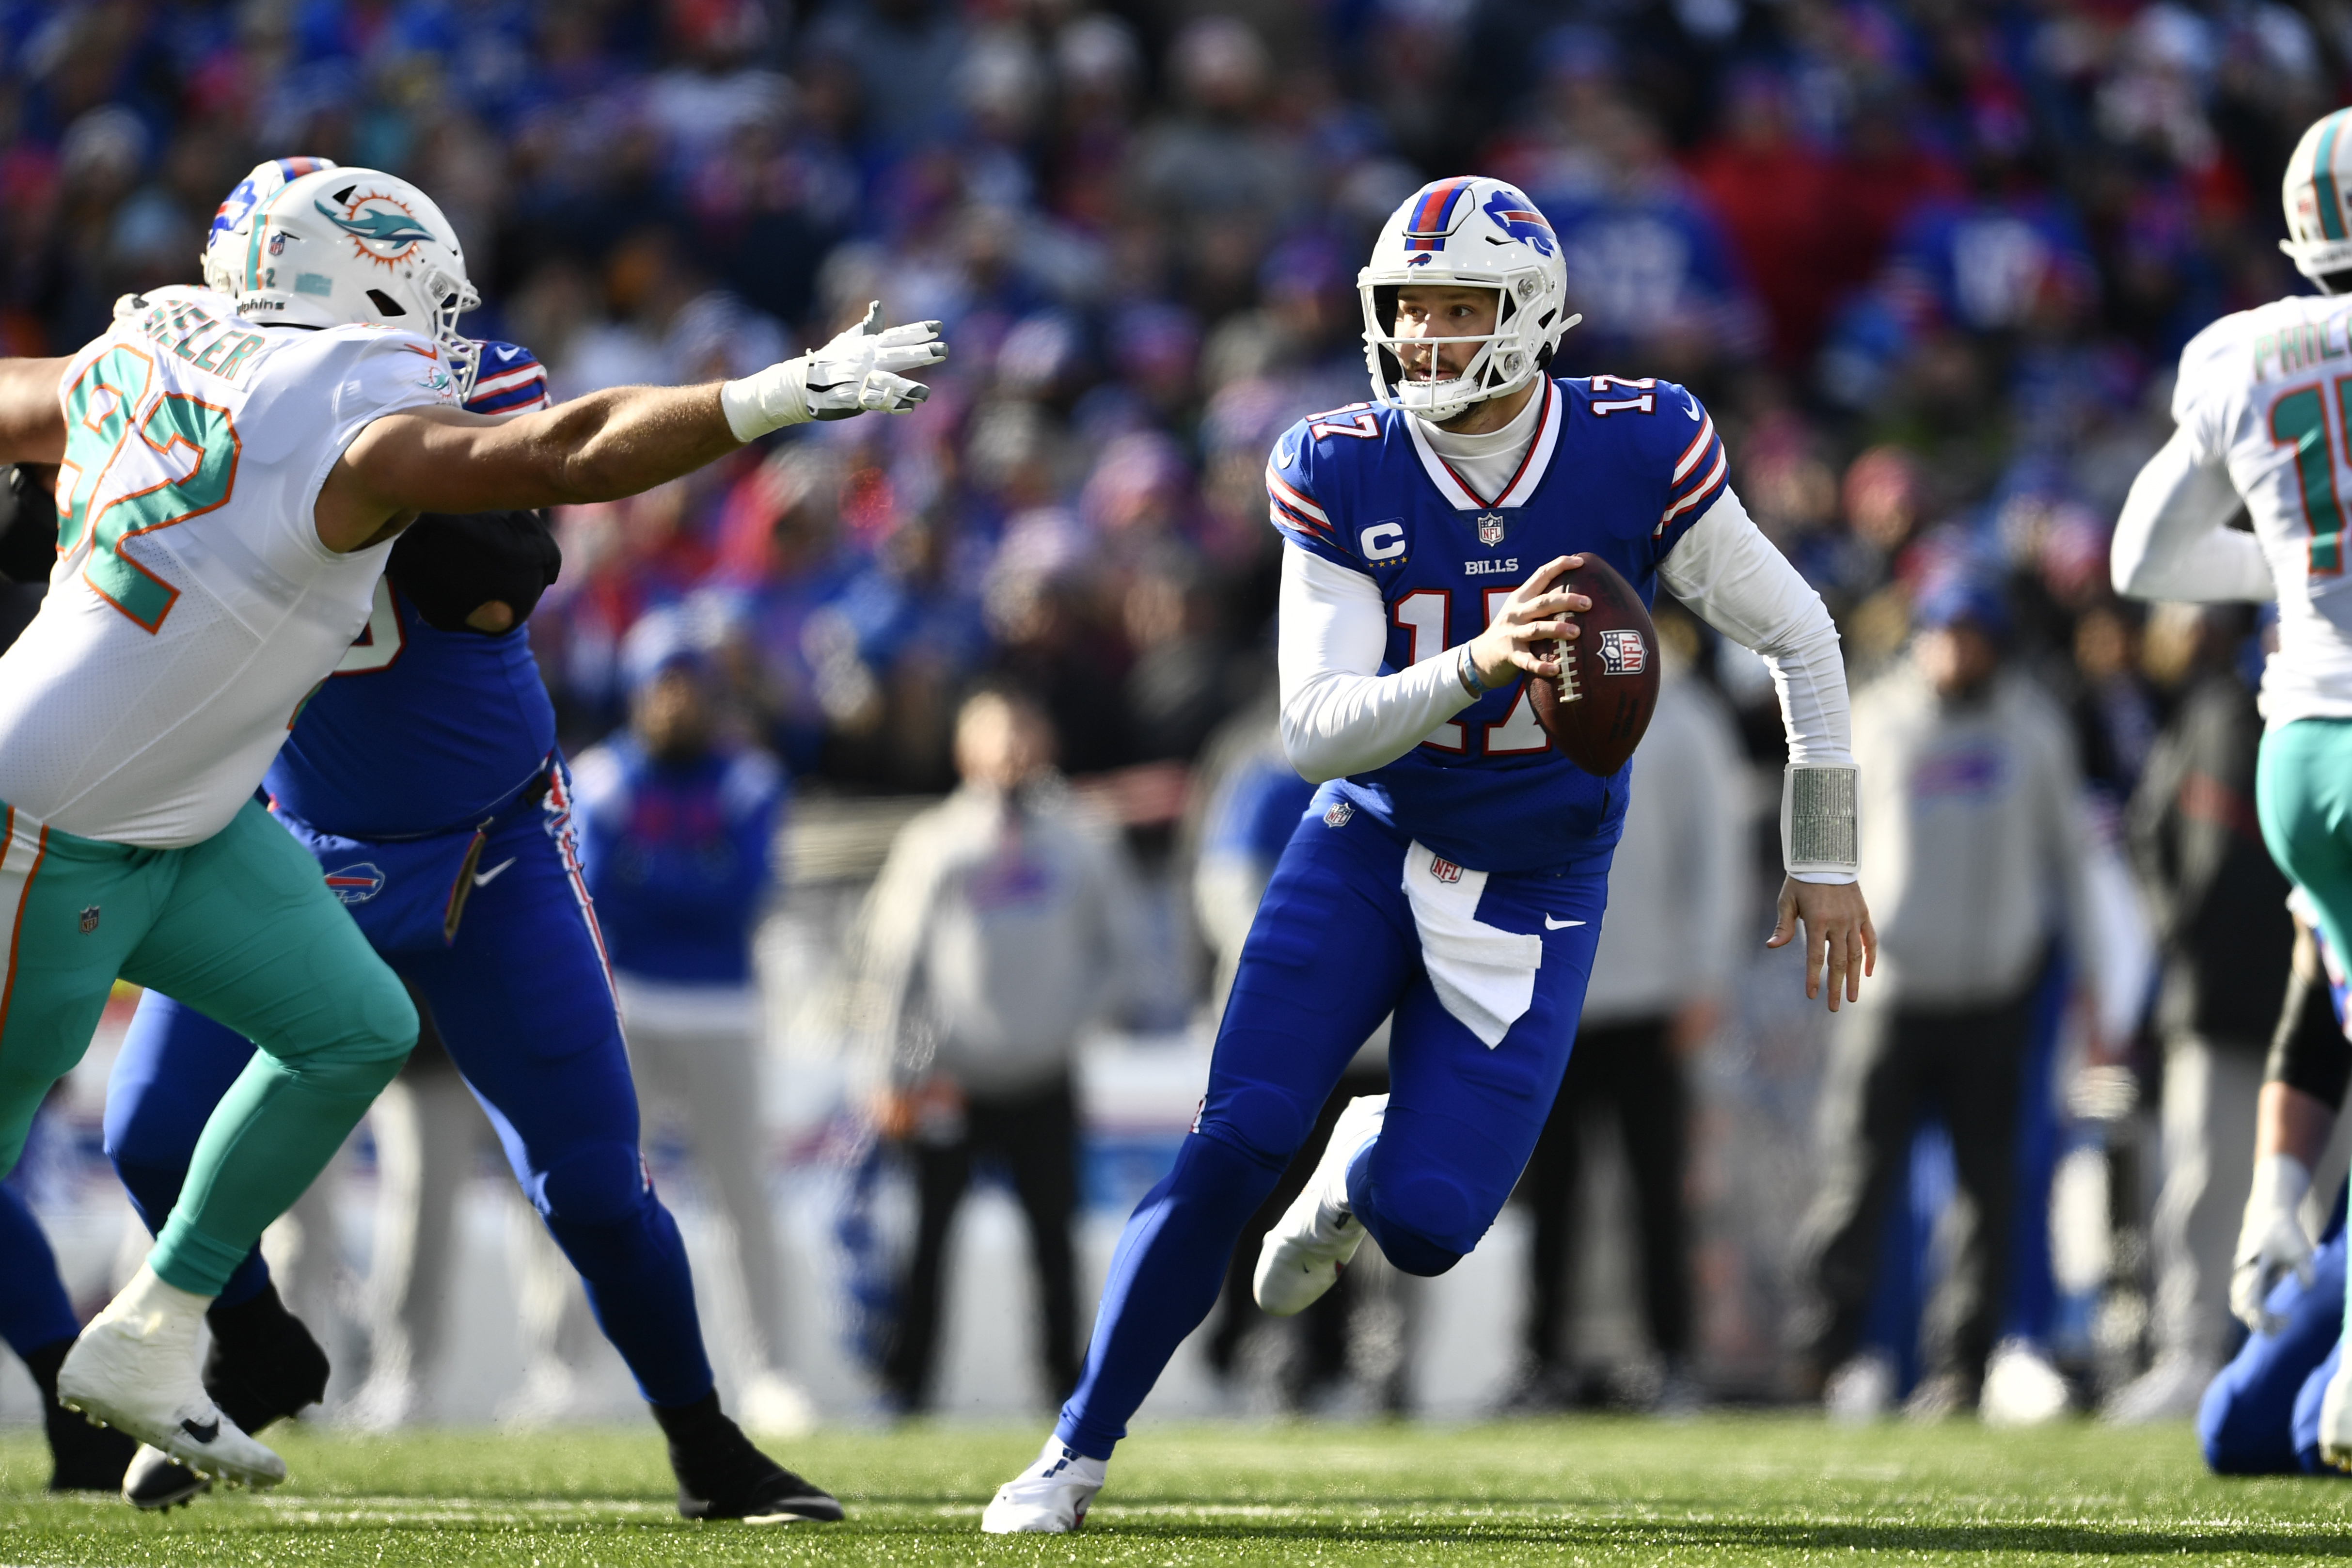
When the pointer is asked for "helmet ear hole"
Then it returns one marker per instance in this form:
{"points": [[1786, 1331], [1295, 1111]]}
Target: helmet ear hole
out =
{"points": [[384, 303]]}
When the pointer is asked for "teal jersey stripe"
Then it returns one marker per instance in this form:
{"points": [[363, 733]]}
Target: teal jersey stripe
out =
{"points": [[2322, 177]]}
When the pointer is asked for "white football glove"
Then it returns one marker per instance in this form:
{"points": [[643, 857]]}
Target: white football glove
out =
{"points": [[2272, 1242], [857, 373], [2335, 1418]]}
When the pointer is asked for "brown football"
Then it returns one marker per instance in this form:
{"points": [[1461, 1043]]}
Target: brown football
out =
{"points": [[1598, 708]]}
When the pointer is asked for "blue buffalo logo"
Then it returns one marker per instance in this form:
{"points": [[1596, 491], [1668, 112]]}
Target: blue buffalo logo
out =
{"points": [[356, 884], [1517, 217]]}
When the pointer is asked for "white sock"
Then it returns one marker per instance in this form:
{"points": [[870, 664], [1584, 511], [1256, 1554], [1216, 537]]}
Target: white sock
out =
{"points": [[148, 1304]]}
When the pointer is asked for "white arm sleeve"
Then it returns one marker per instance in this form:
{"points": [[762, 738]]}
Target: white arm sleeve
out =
{"points": [[2171, 542], [1339, 717]]}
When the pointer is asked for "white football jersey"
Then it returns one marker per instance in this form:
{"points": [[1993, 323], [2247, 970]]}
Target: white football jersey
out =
{"points": [[192, 608], [2266, 392]]}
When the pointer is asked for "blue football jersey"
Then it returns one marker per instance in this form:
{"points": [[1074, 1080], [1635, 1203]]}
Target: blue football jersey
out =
{"points": [[1619, 469], [420, 729]]}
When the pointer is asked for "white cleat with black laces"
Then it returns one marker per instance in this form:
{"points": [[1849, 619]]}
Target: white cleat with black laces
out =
{"points": [[1317, 1234], [135, 1369], [1050, 1498]]}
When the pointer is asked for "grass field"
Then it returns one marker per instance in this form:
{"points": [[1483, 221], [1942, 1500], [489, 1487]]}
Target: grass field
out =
{"points": [[1727, 1489]]}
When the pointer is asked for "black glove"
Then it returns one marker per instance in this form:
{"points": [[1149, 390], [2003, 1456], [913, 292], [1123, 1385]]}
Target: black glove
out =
{"points": [[29, 525], [449, 566]]}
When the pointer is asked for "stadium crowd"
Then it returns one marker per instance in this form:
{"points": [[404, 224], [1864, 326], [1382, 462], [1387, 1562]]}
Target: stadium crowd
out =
{"points": [[1929, 264]]}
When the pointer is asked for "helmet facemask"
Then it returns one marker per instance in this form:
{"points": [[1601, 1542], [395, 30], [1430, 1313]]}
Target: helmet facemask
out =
{"points": [[1502, 362]]}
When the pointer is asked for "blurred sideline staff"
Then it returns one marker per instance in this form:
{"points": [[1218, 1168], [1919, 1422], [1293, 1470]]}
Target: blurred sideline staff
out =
{"points": [[1002, 922], [1677, 894], [1971, 832]]}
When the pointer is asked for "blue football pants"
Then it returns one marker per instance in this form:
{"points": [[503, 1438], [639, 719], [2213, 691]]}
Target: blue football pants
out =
{"points": [[2260, 1414], [34, 1310], [1333, 951], [524, 1003]]}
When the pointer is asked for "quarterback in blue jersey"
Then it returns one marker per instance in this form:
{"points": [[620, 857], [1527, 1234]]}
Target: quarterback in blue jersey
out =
{"points": [[424, 776], [1452, 869]]}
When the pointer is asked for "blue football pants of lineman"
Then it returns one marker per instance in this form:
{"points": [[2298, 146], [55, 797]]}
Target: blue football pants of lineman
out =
{"points": [[524, 1003], [34, 1311], [2260, 1414], [1332, 951]]}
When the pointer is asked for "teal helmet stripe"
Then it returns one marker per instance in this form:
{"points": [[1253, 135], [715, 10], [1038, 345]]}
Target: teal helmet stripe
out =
{"points": [[2323, 179], [253, 241]]}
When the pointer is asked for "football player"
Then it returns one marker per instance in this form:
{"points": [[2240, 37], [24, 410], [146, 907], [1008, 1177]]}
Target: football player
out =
{"points": [[424, 779], [2260, 1414], [2261, 409], [232, 475], [1452, 868]]}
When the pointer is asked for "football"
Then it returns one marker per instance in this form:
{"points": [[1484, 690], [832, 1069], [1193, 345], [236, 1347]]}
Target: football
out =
{"points": [[1598, 708]]}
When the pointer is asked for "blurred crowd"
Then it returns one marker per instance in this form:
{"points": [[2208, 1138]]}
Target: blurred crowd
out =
{"points": [[1929, 263]]}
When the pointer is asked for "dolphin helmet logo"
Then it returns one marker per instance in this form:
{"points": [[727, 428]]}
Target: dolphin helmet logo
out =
{"points": [[1517, 217], [384, 231]]}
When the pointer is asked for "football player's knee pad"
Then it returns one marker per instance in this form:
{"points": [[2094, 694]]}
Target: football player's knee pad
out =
{"points": [[602, 1184], [1423, 1222], [1258, 1119]]}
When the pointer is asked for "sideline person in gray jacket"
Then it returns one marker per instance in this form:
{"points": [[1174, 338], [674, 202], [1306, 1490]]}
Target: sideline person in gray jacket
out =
{"points": [[1003, 923], [1973, 844]]}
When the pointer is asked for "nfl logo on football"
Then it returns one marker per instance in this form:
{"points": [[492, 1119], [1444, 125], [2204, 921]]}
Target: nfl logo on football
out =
{"points": [[1490, 527], [1622, 652]]}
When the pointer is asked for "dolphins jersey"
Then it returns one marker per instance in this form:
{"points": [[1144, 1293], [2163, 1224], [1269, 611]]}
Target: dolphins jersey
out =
{"points": [[1618, 469], [419, 728], [2265, 392], [192, 605]]}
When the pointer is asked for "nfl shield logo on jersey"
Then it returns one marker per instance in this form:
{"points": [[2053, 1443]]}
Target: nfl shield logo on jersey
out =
{"points": [[1339, 815], [89, 920], [1490, 527], [1445, 870], [1622, 652]]}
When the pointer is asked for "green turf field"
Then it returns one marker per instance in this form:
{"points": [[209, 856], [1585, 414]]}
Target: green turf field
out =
{"points": [[1723, 1490]]}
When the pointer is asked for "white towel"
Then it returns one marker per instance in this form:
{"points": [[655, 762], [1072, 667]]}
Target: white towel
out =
{"points": [[1485, 975]]}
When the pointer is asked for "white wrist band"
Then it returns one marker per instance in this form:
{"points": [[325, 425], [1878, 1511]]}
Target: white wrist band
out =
{"points": [[1818, 825], [767, 400], [2280, 1182]]}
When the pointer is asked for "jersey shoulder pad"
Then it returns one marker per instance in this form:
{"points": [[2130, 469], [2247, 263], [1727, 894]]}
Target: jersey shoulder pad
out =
{"points": [[510, 381], [1299, 484], [1663, 433], [2214, 363]]}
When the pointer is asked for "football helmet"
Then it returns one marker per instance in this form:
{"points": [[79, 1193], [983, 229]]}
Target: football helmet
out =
{"points": [[302, 242], [2318, 183], [1479, 234]]}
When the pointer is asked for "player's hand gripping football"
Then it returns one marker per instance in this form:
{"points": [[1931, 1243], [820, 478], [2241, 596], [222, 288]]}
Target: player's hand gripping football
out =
{"points": [[1838, 935], [1535, 613]]}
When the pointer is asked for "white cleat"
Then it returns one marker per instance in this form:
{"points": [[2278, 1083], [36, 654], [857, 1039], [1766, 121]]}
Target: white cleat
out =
{"points": [[2336, 1419], [1050, 1498], [135, 1369], [1316, 1234]]}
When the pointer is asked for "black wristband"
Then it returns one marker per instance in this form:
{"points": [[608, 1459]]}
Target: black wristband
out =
{"points": [[2308, 1050]]}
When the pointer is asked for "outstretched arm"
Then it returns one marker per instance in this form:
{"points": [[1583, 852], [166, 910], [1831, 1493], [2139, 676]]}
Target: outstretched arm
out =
{"points": [[610, 443], [2173, 540], [32, 419]]}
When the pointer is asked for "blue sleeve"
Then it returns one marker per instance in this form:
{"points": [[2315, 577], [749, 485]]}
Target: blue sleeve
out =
{"points": [[508, 380], [1696, 466], [1296, 504]]}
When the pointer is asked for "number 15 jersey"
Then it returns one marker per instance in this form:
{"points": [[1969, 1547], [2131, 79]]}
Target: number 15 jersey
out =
{"points": [[193, 605], [1618, 469], [2268, 392]]}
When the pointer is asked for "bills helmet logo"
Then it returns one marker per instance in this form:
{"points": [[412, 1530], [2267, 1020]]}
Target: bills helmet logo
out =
{"points": [[356, 884], [1622, 653], [381, 229], [1490, 527], [1445, 870], [1517, 217], [231, 212]]}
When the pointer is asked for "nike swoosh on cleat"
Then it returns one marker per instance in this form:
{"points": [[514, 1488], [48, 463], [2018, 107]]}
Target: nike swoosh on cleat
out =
{"points": [[204, 1434], [1551, 924], [482, 878]]}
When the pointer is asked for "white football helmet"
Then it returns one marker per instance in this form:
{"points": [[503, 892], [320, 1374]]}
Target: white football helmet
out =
{"points": [[1479, 234], [324, 247], [2317, 186]]}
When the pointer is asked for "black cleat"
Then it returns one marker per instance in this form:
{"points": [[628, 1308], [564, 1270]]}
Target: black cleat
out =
{"points": [[263, 1364], [720, 1475], [83, 1457]]}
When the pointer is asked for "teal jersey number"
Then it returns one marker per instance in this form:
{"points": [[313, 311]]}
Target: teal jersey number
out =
{"points": [[2300, 420], [105, 407]]}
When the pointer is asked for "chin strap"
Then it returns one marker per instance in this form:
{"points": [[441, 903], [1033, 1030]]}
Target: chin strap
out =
{"points": [[1819, 824]]}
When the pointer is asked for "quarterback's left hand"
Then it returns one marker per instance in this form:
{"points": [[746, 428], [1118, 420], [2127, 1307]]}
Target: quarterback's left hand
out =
{"points": [[2336, 1419], [1838, 934]]}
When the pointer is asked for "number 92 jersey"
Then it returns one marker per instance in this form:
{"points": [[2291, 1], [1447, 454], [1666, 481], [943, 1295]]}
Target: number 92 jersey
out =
{"points": [[2266, 392], [1618, 469], [192, 605]]}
